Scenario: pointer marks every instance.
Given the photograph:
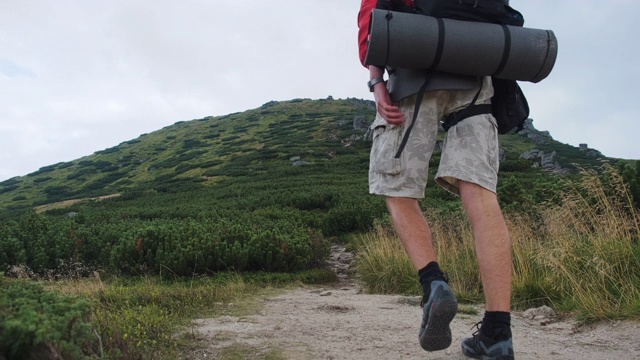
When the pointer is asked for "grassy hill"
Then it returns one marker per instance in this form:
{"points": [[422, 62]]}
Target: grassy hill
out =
{"points": [[201, 153], [280, 179], [255, 145]]}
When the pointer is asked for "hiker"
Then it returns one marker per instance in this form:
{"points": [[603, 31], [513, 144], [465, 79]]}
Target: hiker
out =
{"points": [[468, 168]]}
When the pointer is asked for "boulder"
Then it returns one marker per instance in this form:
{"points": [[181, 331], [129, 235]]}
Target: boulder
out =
{"points": [[360, 123], [548, 161], [531, 154]]}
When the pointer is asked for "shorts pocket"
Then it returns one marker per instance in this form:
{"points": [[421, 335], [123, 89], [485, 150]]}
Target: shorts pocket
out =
{"points": [[386, 139]]}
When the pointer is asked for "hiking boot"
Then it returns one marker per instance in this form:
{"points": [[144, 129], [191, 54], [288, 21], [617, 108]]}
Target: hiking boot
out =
{"points": [[438, 312], [482, 347]]}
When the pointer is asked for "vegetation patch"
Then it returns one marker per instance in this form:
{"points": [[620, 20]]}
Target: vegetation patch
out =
{"points": [[130, 318], [580, 255]]}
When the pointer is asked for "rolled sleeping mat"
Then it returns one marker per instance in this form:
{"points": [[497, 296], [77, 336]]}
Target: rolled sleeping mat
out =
{"points": [[461, 47]]}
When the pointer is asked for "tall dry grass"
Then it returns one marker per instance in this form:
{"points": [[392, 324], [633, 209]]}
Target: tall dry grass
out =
{"points": [[382, 264], [594, 250], [582, 255]]}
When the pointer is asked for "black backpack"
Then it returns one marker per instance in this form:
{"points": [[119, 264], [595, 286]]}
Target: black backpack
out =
{"points": [[508, 105]]}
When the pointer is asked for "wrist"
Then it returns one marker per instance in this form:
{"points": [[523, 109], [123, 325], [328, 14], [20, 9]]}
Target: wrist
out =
{"points": [[375, 81]]}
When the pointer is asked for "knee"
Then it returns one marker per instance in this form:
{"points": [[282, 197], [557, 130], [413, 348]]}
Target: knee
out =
{"points": [[400, 202], [471, 190], [474, 196]]}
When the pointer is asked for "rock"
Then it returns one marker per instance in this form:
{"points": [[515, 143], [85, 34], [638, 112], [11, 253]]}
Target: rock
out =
{"points": [[301, 163], [536, 138], [593, 153], [71, 214], [501, 155], [360, 123], [539, 137], [528, 125], [294, 158], [531, 154], [548, 160], [539, 313], [326, 293], [340, 261]]}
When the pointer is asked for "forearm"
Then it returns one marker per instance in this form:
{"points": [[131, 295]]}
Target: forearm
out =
{"points": [[375, 72]]}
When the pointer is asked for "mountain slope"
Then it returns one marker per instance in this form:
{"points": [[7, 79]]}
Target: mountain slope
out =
{"points": [[318, 135]]}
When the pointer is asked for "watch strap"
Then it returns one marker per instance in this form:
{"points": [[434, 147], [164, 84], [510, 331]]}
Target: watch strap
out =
{"points": [[373, 82]]}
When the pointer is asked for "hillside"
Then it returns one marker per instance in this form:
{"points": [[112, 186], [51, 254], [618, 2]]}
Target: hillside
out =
{"points": [[268, 193], [279, 140]]}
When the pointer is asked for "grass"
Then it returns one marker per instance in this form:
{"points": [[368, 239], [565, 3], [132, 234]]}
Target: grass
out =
{"points": [[382, 264], [580, 256], [141, 318]]}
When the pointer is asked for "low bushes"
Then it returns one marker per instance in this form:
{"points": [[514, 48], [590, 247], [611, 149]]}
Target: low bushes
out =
{"points": [[264, 240]]}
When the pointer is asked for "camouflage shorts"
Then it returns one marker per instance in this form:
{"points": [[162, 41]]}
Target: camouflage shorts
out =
{"points": [[469, 150]]}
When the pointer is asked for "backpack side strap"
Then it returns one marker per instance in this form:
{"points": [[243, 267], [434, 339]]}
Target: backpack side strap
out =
{"points": [[457, 116]]}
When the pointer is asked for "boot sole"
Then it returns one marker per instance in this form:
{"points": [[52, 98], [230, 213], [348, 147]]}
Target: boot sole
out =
{"points": [[437, 335]]}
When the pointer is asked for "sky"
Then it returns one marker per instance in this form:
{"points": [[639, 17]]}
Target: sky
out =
{"points": [[84, 75]]}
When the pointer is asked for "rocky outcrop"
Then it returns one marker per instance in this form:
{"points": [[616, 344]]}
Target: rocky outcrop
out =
{"points": [[545, 160], [548, 161], [589, 152], [360, 123], [538, 137]]}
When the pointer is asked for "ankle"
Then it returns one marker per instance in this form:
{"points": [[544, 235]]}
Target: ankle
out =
{"points": [[496, 325], [427, 275]]}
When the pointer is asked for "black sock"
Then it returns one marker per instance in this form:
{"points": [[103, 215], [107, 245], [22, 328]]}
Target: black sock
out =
{"points": [[496, 325], [427, 274]]}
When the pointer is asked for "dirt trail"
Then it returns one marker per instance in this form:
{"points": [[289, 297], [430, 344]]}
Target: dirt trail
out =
{"points": [[343, 323]]}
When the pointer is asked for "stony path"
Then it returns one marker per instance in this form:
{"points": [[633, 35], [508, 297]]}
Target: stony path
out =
{"points": [[343, 323]]}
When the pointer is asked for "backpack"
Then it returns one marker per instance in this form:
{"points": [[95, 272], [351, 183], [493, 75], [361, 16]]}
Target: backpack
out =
{"points": [[508, 105]]}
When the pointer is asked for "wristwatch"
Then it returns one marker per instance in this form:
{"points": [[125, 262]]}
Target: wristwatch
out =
{"points": [[371, 83]]}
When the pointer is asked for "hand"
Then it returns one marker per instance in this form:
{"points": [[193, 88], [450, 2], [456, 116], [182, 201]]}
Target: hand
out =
{"points": [[385, 107]]}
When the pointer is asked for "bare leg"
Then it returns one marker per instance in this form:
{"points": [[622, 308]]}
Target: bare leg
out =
{"points": [[413, 230], [493, 244]]}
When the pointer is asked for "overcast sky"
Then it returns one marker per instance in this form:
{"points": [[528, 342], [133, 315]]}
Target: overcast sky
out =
{"points": [[84, 75]]}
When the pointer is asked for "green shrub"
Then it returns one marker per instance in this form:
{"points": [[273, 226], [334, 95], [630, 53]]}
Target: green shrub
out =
{"points": [[40, 324]]}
